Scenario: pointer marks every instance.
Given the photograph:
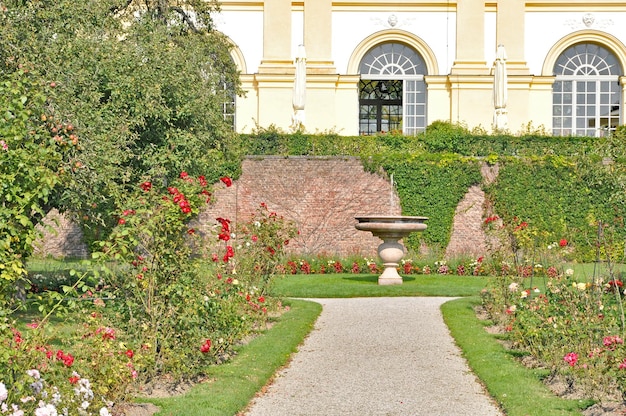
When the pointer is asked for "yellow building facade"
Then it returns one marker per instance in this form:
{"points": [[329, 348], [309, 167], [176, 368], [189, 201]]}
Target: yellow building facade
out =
{"points": [[378, 66]]}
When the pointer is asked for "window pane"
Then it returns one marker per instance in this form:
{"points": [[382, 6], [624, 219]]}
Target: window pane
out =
{"points": [[395, 103]]}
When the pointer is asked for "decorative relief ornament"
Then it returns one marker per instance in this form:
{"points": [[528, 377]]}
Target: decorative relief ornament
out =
{"points": [[392, 21], [587, 21]]}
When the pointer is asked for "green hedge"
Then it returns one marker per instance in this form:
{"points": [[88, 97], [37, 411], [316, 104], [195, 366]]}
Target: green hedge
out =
{"points": [[440, 137]]}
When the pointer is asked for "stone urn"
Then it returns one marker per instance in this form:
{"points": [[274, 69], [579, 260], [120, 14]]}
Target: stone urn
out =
{"points": [[391, 229]]}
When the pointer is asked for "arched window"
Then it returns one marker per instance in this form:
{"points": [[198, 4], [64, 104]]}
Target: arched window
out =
{"points": [[392, 91], [586, 98]]}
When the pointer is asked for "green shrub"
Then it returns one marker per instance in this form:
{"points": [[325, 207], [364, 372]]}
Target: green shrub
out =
{"points": [[185, 309]]}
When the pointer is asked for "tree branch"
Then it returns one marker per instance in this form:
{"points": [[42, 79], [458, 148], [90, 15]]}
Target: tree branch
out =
{"points": [[116, 9], [186, 18]]}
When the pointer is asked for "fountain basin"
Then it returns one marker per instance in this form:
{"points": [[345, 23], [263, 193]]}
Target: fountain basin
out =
{"points": [[390, 229]]}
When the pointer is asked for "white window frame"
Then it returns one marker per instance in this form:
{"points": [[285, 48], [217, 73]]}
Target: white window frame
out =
{"points": [[389, 69], [585, 67]]}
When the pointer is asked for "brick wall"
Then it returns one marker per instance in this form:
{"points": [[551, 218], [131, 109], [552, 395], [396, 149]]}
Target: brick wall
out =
{"points": [[321, 194], [468, 237]]}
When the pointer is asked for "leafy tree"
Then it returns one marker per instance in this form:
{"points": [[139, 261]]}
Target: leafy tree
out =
{"points": [[143, 83]]}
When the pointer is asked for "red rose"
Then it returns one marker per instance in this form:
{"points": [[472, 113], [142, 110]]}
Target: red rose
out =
{"points": [[121, 221], [227, 181], [68, 360], [17, 336], [129, 353], [563, 242], [146, 186], [206, 346], [224, 222]]}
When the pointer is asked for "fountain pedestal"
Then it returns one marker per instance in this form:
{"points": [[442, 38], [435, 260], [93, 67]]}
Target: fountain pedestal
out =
{"points": [[391, 229]]}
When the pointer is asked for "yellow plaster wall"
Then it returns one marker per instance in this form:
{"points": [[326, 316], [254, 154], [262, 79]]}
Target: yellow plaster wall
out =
{"points": [[462, 93], [275, 100], [471, 100]]}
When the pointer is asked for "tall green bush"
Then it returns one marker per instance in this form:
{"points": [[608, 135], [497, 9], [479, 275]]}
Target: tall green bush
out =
{"points": [[33, 155]]}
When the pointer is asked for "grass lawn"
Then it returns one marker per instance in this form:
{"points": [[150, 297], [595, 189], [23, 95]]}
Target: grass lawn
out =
{"points": [[517, 389], [366, 285]]}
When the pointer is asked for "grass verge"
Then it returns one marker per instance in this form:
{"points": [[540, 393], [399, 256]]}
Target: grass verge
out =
{"points": [[366, 285], [517, 389], [233, 385]]}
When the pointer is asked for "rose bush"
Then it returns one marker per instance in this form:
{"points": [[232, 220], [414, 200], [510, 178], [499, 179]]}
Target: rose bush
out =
{"points": [[186, 308], [47, 371], [571, 324]]}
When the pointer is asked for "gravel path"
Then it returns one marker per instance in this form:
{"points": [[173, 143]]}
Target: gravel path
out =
{"points": [[377, 356]]}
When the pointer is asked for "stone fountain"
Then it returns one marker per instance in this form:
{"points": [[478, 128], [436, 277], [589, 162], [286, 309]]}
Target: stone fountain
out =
{"points": [[391, 229]]}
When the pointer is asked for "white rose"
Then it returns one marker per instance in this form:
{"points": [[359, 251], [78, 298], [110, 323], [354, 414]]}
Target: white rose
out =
{"points": [[4, 393]]}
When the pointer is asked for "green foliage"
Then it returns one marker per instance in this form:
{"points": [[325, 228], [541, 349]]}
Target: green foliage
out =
{"points": [[261, 242], [43, 367], [559, 198], [187, 311], [234, 384], [570, 323], [507, 380], [443, 136], [432, 186], [156, 282], [33, 149], [146, 98]]}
